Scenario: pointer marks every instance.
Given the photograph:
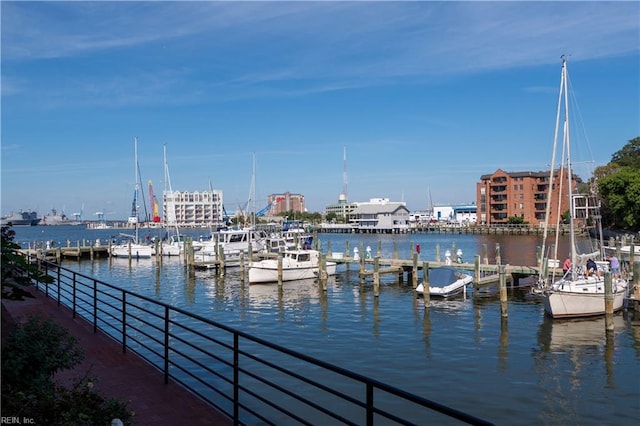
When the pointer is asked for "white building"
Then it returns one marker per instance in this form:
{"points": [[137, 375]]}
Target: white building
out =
{"points": [[467, 213], [193, 209]]}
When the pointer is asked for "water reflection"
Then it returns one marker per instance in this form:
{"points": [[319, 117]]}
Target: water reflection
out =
{"points": [[569, 350]]}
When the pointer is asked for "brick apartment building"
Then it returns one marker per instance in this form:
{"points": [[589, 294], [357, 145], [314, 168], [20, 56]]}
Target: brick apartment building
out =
{"points": [[523, 194], [282, 203]]}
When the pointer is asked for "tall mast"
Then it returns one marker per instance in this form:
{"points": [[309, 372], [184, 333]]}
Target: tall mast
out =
{"points": [[567, 143], [344, 173]]}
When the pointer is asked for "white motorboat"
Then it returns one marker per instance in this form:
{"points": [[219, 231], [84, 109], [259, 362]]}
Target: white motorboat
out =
{"points": [[296, 265], [234, 242], [445, 282], [580, 292]]}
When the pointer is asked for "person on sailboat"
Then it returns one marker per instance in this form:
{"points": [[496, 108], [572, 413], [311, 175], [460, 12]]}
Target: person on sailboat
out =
{"points": [[615, 266], [566, 266], [592, 268]]}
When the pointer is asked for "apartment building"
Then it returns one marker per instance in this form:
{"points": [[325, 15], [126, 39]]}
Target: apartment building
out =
{"points": [[522, 194], [193, 209], [287, 202]]}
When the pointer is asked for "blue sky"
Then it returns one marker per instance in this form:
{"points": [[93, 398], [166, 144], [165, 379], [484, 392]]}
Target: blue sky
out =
{"points": [[425, 96]]}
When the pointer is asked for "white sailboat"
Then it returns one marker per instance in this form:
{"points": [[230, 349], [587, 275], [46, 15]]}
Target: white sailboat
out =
{"points": [[174, 245], [132, 247], [578, 293]]}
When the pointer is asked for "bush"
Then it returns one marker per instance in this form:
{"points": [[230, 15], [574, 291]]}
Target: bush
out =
{"points": [[31, 355]]}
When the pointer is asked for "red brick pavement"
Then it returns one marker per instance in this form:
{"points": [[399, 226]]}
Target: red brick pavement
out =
{"points": [[123, 376]]}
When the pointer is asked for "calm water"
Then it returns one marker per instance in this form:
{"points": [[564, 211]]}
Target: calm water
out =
{"points": [[526, 370]]}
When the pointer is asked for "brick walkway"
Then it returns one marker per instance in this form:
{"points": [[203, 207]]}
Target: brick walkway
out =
{"points": [[123, 376]]}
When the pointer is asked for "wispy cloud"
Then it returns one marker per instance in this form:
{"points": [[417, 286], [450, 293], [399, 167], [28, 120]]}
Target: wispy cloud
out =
{"points": [[321, 46]]}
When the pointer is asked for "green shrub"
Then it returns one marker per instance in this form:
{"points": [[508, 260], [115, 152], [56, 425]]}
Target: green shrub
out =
{"points": [[32, 353]]}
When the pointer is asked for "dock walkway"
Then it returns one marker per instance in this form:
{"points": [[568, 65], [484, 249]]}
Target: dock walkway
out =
{"points": [[124, 376]]}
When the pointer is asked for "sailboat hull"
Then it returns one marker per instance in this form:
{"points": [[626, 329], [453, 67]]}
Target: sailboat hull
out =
{"points": [[571, 300]]}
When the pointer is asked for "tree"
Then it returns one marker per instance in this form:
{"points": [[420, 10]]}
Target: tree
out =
{"points": [[617, 184], [17, 272], [620, 192], [629, 155]]}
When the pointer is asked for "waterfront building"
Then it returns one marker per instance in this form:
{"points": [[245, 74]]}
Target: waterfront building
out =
{"points": [[341, 209], [379, 214], [193, 209], [287, 202], [502, 195]]}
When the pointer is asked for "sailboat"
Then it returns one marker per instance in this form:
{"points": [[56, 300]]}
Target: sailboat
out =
{"points": [[579, 293], [132, 247], [175, 244]]}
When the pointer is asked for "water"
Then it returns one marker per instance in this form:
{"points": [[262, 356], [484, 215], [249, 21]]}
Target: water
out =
{"points": [[525, 370]]}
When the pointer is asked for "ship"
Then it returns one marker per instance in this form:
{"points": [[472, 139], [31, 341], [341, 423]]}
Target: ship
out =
{"points": [[54, 218], [20, 219]]}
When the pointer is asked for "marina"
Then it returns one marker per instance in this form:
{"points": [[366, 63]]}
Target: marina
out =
{"points": [[393, 338]]}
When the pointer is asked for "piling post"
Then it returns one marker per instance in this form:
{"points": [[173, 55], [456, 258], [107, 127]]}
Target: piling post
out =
{"points": [[636, 284], [379, 252], [414, 274], [453, 250], [362, 268], [376, 276], [242, 266], [279, 269], [221, 260], [476, 270], [322, 273], [425, 285], [608, 301], [329, 253], [438, 252], [498, 257], [485, 254], [347, 255], [503, 291]]}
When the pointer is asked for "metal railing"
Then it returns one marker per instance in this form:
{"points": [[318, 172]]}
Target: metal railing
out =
{"points": [[250, 380]]}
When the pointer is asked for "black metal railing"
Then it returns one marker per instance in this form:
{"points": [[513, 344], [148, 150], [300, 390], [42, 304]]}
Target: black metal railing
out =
{"points": [[249, 379]]}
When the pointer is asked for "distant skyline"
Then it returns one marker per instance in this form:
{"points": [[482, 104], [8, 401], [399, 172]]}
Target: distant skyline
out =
{"points": [[425, 96]]}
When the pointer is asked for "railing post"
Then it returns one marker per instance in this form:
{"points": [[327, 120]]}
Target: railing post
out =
{"points": [[236, 379], [124, 322], [73, 304], [59, 286], [46, 286], [166, 344], [369, 404], [95, 306]]}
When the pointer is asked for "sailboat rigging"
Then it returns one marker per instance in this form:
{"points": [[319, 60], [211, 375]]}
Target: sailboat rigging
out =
{"points": [[581, 291], [133, 248]]}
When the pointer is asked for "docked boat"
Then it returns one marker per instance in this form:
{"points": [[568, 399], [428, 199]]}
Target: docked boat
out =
{"points": [[581, 291], [234, 243], [132, 247], [129, 247], [296, 265], [445, 281], [21, 219], [625, 252]]}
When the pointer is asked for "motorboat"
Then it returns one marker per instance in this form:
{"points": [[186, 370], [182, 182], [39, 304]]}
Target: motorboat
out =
{"points": [[445, 281], [296, 265], [234, 243]]}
